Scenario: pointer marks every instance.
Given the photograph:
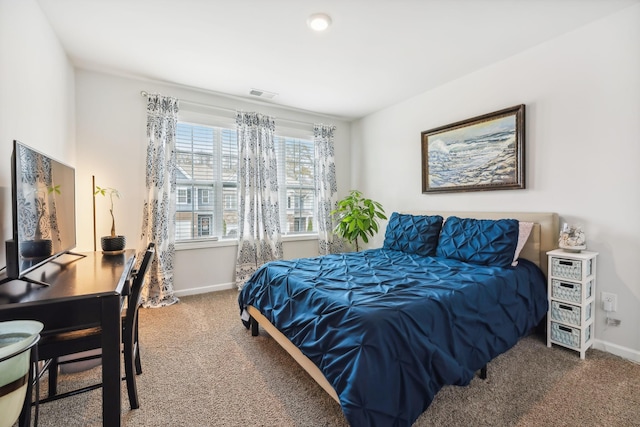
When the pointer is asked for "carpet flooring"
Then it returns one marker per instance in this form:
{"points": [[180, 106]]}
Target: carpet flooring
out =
{"points": [[201, 367]]}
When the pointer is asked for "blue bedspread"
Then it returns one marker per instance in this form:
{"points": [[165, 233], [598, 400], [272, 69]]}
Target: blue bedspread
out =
{"points": [[390, 329]]}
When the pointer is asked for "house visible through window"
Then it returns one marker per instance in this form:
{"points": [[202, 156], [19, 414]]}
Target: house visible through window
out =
{"points": [[207, 176]]}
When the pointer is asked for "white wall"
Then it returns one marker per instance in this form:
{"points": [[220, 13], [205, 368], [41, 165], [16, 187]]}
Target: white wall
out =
{"points": [[36, 95], [582, 96], [111, 127]]}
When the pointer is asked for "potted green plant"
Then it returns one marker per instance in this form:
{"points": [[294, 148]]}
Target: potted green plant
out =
{"points": [[113, 243], [357, 217]]}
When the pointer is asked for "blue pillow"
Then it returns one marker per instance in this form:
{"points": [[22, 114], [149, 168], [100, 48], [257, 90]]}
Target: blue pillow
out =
{"points": [[479, 241], [413, 234]]}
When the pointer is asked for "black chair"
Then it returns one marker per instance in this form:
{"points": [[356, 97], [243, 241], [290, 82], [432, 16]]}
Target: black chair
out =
{"points": [[52, 347]]}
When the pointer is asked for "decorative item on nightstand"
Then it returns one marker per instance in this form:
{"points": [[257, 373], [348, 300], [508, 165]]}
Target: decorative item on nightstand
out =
{"points": [[572, 238], [572, 290]]}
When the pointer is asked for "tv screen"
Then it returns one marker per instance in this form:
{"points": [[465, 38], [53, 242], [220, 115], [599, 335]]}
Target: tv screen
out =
{"points": [[44, 219]]}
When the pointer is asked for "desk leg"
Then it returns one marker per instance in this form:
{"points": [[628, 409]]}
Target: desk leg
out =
{"points": [[111, 382]]}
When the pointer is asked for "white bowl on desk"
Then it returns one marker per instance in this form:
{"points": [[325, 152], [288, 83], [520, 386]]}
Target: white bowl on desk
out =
{"points": [[15, 335]]}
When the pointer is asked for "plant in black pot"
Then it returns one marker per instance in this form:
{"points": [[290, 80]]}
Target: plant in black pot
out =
{"points": [[357, 217], [113, 243]]}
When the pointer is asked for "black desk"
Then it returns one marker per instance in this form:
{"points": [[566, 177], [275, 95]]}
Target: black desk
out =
{"points": [[83, 292]]}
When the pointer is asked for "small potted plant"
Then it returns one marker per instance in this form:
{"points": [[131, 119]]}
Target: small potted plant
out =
{"points": [[112, 243], [357, 217]]}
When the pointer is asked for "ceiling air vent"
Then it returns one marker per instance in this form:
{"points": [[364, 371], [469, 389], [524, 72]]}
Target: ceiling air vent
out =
{"points": [[262, 93]]}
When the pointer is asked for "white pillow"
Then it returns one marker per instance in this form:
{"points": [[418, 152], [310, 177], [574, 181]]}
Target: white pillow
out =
{"points": [[524, 230]]}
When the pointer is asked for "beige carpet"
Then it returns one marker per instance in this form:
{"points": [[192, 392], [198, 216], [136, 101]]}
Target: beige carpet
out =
{"points": [[203, 368]]}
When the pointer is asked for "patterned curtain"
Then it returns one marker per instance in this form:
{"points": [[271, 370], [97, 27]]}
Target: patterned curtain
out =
{"points": [[326, 188], [260, 238], [159, 207]]}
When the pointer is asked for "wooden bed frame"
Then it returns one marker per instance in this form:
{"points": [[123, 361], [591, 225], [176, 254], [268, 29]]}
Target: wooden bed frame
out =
{"points": [[543, 238]]}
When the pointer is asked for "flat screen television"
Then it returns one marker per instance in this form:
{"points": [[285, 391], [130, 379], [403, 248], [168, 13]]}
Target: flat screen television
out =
{"points": [[43, 209]]}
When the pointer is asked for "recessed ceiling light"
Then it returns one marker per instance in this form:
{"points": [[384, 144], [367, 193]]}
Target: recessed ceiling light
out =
{"points": [[319, 21]]}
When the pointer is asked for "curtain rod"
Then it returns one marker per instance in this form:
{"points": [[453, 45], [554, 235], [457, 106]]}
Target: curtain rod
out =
{"points": [[216, 107]]}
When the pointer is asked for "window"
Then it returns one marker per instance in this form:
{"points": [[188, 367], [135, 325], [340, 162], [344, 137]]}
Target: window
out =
{"points": [[207, 175], [230, 200], [203, 196], [184, 196], [207, 163], [297, 170]]}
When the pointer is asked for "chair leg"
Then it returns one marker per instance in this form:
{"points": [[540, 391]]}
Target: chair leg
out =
{"points": [[137, 350], [53, 377], [130, 375], [137, 359]]}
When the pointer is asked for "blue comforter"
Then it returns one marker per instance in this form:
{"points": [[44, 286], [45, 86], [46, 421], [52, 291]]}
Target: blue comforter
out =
{"points": [[390, 329]]}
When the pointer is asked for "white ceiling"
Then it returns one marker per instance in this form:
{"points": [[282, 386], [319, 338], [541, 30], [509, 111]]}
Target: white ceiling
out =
{"points": [[375, 54]]}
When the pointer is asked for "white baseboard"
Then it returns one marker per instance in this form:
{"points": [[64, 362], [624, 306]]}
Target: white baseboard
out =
{"points": [[204, 289], [618, 350]]}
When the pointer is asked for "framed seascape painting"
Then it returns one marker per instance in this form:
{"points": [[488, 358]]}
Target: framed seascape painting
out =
{"points": [[482, 153]]}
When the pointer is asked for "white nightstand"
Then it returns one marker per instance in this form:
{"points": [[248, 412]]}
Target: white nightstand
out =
{"points": [[571, 293]]}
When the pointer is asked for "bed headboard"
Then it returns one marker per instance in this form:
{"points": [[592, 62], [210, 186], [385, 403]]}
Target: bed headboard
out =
{"points": [[543, 237]]}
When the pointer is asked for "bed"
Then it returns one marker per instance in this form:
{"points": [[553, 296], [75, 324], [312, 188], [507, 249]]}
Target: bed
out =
{"points": [[383, 330]]}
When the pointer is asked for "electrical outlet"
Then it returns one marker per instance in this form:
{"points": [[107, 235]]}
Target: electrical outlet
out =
{"points": [[609, 300]]}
